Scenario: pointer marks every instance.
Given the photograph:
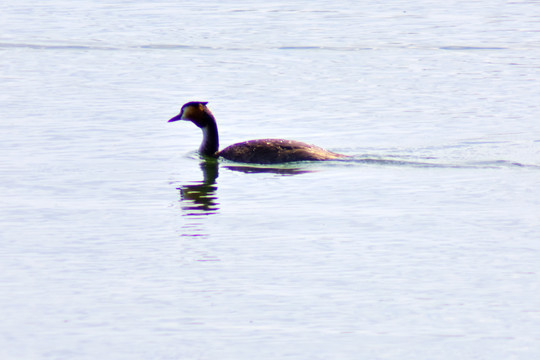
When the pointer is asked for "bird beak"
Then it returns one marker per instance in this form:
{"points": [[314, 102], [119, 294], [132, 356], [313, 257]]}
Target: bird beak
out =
{"points": [[176, 118]]}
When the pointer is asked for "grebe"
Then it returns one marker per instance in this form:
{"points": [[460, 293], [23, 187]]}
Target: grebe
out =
{"points": [[263, 151]]}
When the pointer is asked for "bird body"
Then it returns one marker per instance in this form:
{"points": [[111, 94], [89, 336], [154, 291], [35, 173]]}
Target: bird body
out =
{"points": [[262, 151]]}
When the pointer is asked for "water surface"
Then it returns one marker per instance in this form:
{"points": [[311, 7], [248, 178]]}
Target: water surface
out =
{"points": [[118, 241]]}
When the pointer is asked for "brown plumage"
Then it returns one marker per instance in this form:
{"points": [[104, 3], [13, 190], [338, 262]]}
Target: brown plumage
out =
{"points": [[263, 151], [271, 151]]}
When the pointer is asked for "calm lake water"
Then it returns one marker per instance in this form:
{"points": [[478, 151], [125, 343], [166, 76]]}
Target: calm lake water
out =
{"points": [[118, 242]]}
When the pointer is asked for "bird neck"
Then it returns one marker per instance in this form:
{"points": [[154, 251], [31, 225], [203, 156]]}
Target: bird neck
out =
{"points": [[210, 142]]}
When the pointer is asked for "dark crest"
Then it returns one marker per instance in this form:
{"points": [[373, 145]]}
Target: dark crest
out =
{"points": [[195, 103]]}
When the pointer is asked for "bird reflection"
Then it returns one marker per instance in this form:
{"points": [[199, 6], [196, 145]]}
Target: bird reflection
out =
{"points": [[272, 170], [200, 198]]}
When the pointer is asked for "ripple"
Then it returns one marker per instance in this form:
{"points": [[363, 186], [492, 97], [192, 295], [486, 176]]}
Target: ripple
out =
{"points": [[55, 46], [172, 47], [461, 48], [486, 164]]}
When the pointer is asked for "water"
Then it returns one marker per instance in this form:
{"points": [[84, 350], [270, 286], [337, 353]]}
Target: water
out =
{"points": [[117, 242]]}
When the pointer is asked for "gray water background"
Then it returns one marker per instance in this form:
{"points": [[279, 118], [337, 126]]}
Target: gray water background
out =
{"points": [[117, 242]]}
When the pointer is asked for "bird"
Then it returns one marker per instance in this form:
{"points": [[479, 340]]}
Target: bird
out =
{"points": [[261, 151]]}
